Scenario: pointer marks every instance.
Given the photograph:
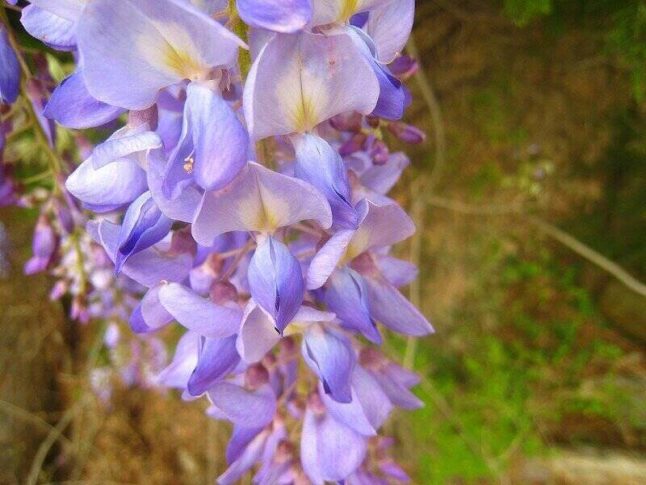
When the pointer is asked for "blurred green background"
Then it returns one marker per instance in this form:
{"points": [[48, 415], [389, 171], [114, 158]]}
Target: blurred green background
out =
{"points": [[536, 116]]}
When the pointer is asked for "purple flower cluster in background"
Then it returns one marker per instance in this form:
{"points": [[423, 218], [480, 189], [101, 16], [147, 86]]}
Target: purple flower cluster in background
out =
{"points": [[243, 196]]}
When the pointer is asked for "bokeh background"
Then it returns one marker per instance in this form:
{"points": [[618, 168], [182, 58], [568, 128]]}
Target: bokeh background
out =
{"points": [[536, 118]]}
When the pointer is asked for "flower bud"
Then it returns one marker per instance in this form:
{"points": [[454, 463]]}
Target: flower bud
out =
{"points": [[407, 133], [404, 67]]}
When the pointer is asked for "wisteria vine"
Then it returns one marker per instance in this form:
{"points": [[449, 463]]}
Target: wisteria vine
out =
{"points": [[243, 196]]}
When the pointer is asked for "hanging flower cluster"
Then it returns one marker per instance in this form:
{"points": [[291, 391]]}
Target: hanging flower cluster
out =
{"points": [[246, 194]]}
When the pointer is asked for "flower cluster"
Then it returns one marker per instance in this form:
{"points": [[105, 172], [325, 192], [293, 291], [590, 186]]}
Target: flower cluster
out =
{"points": [[246, 193]]}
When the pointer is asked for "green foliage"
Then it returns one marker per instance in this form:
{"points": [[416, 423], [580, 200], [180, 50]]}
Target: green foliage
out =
{"points": [[515, 366], [521, 12], [628, 40]]}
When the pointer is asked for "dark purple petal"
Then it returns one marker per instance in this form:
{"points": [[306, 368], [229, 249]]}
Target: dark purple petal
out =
{"points": [[72, 106], [320, 165], [9, 70], [330, 355], [346, 295], [217, 358], [246, 459], [276, 282], [143, 226], [44, 247], [150, 266]]}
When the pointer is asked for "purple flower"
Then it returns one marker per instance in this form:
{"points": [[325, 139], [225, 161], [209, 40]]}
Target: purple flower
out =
{"points": [[276, 282], [44, 247], [247, 210], [143, 226], [9, 70]]}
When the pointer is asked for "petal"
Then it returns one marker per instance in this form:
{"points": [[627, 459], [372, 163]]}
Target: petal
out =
{"points": [[335, 449], [217, 358], [389, 25], [309, 454], [257, 334], [150, 315], [393, 98], [397, 271], [245, 461], [220, 142], [320, 165], [259, 200], [109, 187], [308, 314], [382, 178], [143, 226], [151, 41], [330, 355], [384, 225], [327, 259], [38, 92], [369, 408], [198, 314], [240, 439], [276, 282], [253, 409], [177, 373], [397, 392], [10, 72], [73, 107], [184, 206], [148, 267], [388, 306], [374, 401], [300, 80], [124, 142], [331, 11], [346, 295], [55, 31], [284, 16], [68, 9]]}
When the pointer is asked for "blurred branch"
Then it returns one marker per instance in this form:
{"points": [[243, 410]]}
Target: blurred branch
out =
{"points": [[433, 105], [552, 231], [423, 186], [20, 413], [591, 255], [54, 435]]}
